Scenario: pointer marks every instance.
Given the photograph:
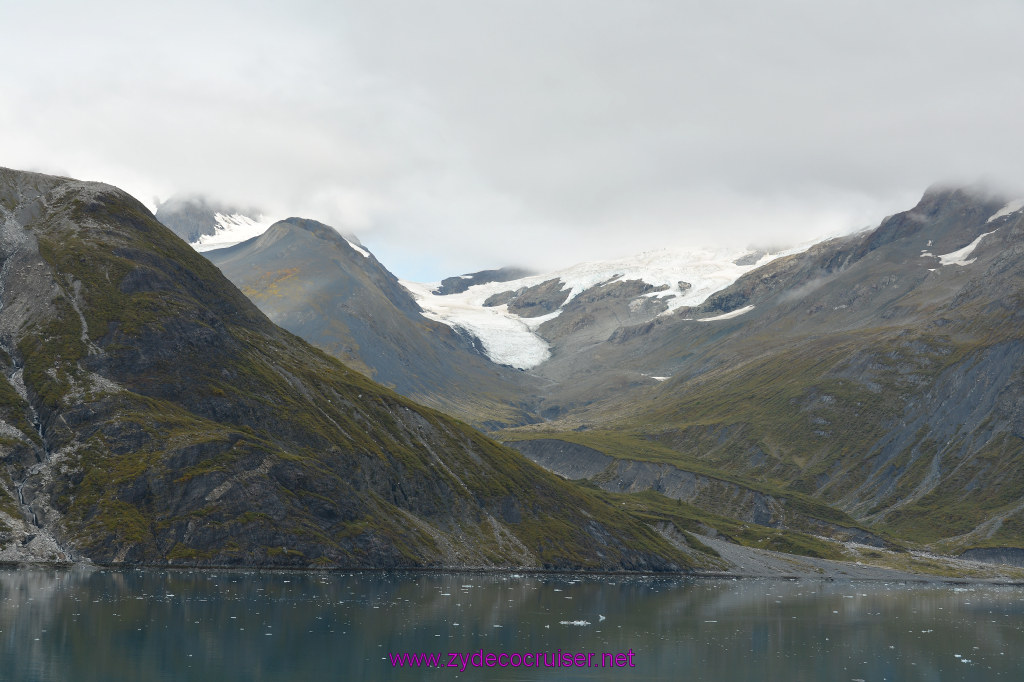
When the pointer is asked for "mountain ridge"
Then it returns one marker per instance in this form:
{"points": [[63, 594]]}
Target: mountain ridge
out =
{"points": [[800, 373], [343, 300], [151, 414], [854, 366]]}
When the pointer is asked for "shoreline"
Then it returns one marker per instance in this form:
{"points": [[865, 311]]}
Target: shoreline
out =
{"points": [[840, 572]]}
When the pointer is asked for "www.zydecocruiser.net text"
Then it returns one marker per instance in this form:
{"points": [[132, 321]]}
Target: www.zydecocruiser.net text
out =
{"points": [[462, 660]]}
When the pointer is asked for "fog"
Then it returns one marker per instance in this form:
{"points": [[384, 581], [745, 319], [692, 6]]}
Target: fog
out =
{"points": [[458, 136]]}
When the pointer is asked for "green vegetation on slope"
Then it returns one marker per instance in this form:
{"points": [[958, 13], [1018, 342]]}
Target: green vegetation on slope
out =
{"points": [[193, 431]]}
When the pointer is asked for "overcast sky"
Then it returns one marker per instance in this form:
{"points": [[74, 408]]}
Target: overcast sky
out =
{"points": [[458, 135]]}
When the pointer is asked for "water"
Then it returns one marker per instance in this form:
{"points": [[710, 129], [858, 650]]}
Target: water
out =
{"points": [[180, 625]]}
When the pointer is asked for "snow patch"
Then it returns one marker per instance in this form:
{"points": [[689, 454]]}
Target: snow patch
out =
{"points": [[960, 256], [232, 229], [356, 247], [729, 315], [1011, 207]]}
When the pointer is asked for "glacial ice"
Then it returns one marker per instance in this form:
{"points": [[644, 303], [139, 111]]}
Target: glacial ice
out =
{"points": [[512, 340]]}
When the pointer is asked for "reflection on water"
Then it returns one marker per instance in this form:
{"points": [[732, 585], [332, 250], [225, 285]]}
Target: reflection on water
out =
{"points": [[85, 624]]}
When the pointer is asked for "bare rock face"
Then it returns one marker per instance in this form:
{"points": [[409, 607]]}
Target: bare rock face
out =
{"points": [[567, 459], [151, 414], [1010, 556], [459, 283], [535, 301]]}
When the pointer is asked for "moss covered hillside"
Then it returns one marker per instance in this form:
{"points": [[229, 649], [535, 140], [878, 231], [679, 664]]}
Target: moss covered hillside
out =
{"points": [[152, 415]]}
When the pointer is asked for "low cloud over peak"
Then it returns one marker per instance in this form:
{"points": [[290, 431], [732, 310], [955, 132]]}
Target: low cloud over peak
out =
{"points": [[455, 136]]}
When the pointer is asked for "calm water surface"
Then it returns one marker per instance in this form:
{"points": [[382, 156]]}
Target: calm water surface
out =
{"points": [[178, 625]]}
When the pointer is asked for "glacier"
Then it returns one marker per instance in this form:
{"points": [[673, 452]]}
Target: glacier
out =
{"points": [[511, 340]]}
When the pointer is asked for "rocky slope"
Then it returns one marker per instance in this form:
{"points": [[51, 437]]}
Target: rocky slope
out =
{"points": [[317, 284], [151, 414], [882, 373], [459, 283], [879, 375]]}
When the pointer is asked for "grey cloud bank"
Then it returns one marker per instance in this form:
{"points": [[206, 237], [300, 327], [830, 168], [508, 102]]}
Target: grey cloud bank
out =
{"points": [[454, 136]]}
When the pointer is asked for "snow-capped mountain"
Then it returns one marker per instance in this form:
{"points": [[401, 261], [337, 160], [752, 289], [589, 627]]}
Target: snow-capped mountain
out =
{"points": [[232, 229], [675, 278], [880, 372], [207, 224]]}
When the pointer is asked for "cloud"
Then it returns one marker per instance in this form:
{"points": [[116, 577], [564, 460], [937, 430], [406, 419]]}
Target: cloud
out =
{"points": [[453, 136]]}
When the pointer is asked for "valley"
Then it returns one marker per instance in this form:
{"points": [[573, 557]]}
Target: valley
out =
{"points": [[861, 392], [875, 377]]}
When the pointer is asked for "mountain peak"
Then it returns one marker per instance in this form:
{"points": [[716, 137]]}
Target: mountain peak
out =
{"points": [[942, 197], [197, 218], [316, 228], [942, 209]]}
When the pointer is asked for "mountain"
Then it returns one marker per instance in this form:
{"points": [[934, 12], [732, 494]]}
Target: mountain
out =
{"points": [[881, 372], [315, 283], [864, 388], [332, 292], [151, 414], [208, 224], [557, 326]]}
